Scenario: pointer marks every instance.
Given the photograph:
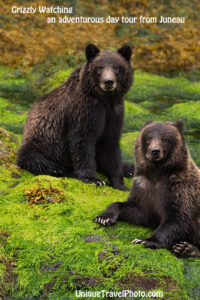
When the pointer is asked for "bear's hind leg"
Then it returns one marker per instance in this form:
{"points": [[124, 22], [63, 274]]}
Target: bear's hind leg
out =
{"points": [[35, 162], [184, 250]]}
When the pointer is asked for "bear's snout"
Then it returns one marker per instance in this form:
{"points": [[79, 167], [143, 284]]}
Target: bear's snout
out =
{"points": [[108, 80], [155, 152], [108, 83]]}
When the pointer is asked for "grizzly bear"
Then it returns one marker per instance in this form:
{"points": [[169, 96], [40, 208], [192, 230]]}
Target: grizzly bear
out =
{"points": [[165, 192], [75, 129]]}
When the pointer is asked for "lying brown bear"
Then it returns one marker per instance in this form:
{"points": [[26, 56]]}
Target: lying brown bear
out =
{"points": [[165, 192]]}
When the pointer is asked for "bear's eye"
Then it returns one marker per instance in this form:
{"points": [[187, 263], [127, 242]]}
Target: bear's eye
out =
{"points": [[163, 139], [148, 139], [116, 69], [99, 69]]}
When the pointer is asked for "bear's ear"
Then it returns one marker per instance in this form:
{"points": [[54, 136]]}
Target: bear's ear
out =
{"points": [[180, 125], [91, 51], [147, 123], [126, 52]]}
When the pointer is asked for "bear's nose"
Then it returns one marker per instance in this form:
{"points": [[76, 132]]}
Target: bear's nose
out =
{"points": [[108, 82], [155, 152]]}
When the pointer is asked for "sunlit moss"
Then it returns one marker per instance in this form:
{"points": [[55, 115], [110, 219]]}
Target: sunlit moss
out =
{"points": [[56, 248], [135, 116], [12, 116], [189, 111], [150, 87]]}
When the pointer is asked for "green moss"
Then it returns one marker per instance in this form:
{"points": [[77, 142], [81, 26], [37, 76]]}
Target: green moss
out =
{"points": [[14, 86], [9, 144], [48, 243], [4, 70], [59, 78], [127, 145], [12, 116], [53, 249], [41, 237], [194, 146], [150, 87], [192, 277], [189, 111], [44, 77], [135, 116]]}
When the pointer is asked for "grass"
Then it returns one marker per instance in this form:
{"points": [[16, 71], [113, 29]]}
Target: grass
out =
{"points": [[49, 246]]}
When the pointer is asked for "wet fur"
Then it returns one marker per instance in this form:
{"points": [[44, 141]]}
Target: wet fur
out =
{"points": [[165, 195], [75, 129]]}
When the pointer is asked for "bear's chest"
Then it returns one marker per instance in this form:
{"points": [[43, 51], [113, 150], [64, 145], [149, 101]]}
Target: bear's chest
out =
{"points": [[152, 195], [100, 122]]}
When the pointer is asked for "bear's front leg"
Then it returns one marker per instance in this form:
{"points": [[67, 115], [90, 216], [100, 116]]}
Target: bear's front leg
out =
{"points": [[108, 154], [82, 150], [121, 211]]}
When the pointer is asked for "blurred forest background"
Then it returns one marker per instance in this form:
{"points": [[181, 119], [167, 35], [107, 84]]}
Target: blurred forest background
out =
{"points": [[39, 50], [27, 39]]}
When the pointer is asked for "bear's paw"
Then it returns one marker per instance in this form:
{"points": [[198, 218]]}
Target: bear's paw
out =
{"points": [[184, 250], [106, 219]]}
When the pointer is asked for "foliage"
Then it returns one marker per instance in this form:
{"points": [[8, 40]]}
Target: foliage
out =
{"points": [[27, 39], [45, 195]]}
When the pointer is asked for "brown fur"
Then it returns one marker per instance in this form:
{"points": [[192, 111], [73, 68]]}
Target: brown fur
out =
{"points": [[75, 129], [165, 192]]}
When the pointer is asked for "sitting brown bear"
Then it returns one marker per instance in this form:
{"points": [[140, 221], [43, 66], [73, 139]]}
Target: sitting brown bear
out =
{"points": [[75, 130], [165, 192]]}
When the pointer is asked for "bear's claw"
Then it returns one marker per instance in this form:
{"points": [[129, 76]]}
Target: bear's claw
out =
{"points": [[128, 169], [106, 219], [184, 250], [138, 241], [100, 183], [93, 181], [148, 243], [103, 222]]}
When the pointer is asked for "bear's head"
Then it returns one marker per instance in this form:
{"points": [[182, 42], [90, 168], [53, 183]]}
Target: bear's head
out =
{"points": [[162, 144], [108, 72]]}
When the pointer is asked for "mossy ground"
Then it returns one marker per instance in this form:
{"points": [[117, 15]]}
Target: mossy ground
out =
{"points": [[51, 248]]}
